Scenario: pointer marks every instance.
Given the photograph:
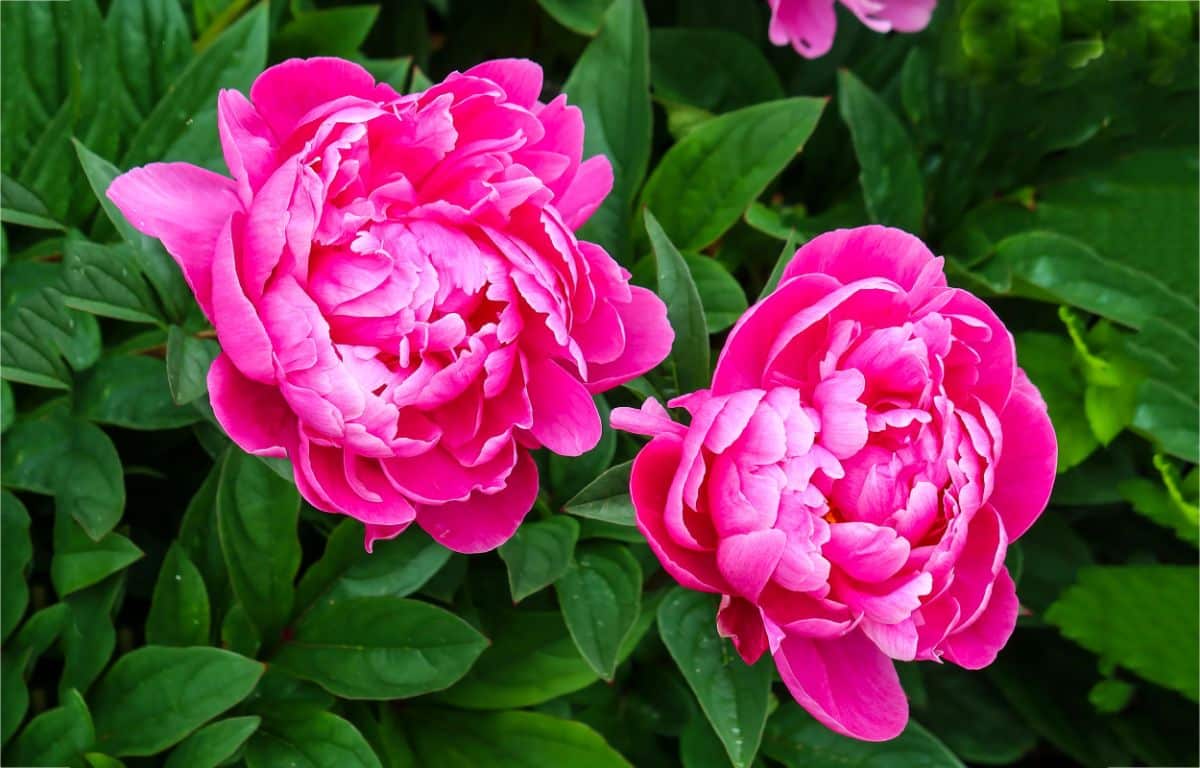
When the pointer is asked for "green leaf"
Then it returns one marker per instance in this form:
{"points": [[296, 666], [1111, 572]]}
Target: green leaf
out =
{"points": [[106, 280], [52, 452], [319, 741], [8, 408], [690, 350], [179, 610], [973, 720], [151, 45], [1049, 359], [582, 16], [733, 695], [451, 739], [1141, 617], [279, 696], [1163, 502], [238, 632], [43, 339], [531, 660], [379, 647], [155, 696], [704, 183], [79, 562], [721, 295], [214, 744], [89, 638], [785, 257], [14, 694], [601, 596], [795, 739], [891, 180], [327, 32], [611, 85], [17, 554], [606, 498], [182, 125], [188, 361], [99, 760], [565, 475], [131, 391], [716, 70], [199, 537], [394, 568], [58, 736], [538, 554], [21, 207], [257, 515]]}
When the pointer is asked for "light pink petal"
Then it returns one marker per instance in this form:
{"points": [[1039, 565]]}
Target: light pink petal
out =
{"points": [[255, 416], [898, 641], [1025, 473], [653, 472], [871, 251], [287, 91], [183, 206], [521, 79], [483, 521], [247, 142], [648, 340], [650, 420], [907, 15], [592, 183], [809, 25], [976, 646], [565, 418], [846, 683], [747, 560], [741, 622]]}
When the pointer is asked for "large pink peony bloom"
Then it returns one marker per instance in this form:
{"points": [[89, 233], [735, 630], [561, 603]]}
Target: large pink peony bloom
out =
{"points": [[809, 25], [852, 480], [402, 305]]}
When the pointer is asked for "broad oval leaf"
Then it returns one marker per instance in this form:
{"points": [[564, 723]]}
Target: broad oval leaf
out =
{"points": [[321, 740], [721, 294], [704, 183], [601, 596], [606, 498], [155, 696], [58, 736], [188, 361], [131, 391], [17, 555], [213, 744], [714, 69], [380, 647], [538, 554], [733, 694], [80, 562], [179, 609]]}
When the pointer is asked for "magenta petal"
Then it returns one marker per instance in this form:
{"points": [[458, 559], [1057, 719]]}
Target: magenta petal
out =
{"points": [[1025, 473], [246, 141], [565, 418], [592, 183], [287, 91], [976, 646], [521, 79], [648, 339], [741, 621], [239, 328], [747, 560], [865, 252], [809, 25], [483, 521], [907, 15], [846, 683], [183, 206], [373, 533], [255, 416]]}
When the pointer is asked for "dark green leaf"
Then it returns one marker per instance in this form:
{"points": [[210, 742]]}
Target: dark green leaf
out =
{"points": [[90, 637], [43, 340], [451, 739], [79, 562], [199, 537], [606, 498], [704, 183], [188, 361], [16, 557], [179, 610], [214, 744], [795, 739], [58, 736], [582, 16], [21, 207], [601, 596], [538, 554], [319, 741], [732, 694], [155, 696], [721, 295], [131, 391], [891, 180], [690, 351], [1049, 359], [14, 694], [257, 514], [971, 717], [714, 69], [785, 257], [151, 44], [1143, 618], [106, 280], [394, 568], [8, 408], [379, 647], [567, 474], [327, 32], [238, 632], [611, 84]]}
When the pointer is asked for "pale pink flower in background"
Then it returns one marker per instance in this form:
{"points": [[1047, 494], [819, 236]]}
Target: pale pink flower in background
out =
{"points": [[809, 25], [851, 482], [402, 305]]}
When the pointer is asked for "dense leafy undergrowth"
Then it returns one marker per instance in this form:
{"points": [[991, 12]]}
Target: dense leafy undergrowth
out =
{"points": [[167, 597]]}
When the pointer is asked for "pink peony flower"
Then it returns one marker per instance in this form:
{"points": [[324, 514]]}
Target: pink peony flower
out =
{"points": [[402, 305], [852, 480], [809, 25]]}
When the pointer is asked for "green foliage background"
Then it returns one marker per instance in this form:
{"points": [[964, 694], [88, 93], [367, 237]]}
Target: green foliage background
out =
{"points": [[170, 600]]}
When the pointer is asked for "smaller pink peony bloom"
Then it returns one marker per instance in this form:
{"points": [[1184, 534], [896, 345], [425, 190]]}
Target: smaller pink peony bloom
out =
{"points": [[403, 308], [851, 482], [809, 25]]}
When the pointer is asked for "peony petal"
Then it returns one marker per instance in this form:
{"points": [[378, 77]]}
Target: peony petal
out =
{"points": [[747, 560], [239, 328], [288, 91], [247, 142], [1025, 472], [592, 183], [255, 416], [741, 622], [809, 25], [866, 552], [521, 79], [846, 683], [483, 521], [648, 340], [907, 15], [183, 206], [977, 646], [565, 418], [863, 252]]}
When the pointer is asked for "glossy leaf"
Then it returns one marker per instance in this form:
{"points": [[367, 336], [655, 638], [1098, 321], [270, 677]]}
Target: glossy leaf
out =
{"points": [[690, 351], [606, 498], [601, 596], [188, 361], [80, 562], [214, 744], [179, 609], [714, 69], [131, 391], [17, 555], [58, 736], [795, 739], [322, 739], [538, 554]]}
